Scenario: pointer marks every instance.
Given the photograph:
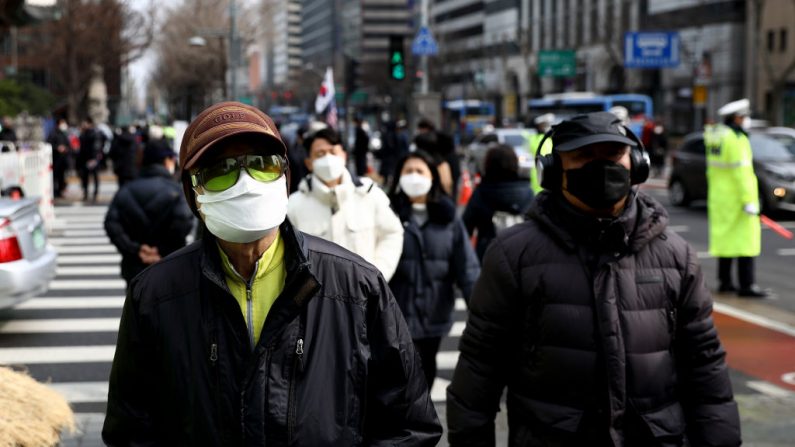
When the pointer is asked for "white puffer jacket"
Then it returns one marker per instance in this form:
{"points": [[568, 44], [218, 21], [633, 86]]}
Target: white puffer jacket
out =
{"points": [[355, 216]]}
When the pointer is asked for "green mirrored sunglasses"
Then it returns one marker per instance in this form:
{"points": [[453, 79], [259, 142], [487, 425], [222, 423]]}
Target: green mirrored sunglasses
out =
{"points": [[224, 173]]}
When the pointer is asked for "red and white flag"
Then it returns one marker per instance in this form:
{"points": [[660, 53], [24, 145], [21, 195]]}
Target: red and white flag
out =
{"points": [[326, 94]]}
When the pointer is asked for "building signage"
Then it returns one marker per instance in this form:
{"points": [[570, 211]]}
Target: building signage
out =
{"points": [[651, 50]]}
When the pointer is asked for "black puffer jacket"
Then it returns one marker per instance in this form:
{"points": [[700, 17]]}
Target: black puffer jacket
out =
{"points": [[436, 256], [149, 210], [612, 344], [334, 365], [512, 197]]}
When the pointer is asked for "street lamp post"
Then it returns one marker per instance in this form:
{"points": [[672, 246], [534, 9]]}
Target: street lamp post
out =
{"points": [[231, 59]]}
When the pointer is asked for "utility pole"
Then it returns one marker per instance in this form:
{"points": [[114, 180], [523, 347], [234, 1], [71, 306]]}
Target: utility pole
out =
{"points": [[233, 47]]}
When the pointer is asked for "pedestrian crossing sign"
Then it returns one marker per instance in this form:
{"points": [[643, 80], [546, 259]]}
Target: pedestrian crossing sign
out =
{"points": [[424, 44]]}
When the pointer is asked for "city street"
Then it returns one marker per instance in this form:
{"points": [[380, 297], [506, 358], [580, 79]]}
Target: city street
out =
{"points": [[67, 336]]}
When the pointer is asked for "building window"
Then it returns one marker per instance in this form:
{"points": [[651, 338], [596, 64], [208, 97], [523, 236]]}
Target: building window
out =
{"points": [[594, 20], [771, 40], [782, 40]]}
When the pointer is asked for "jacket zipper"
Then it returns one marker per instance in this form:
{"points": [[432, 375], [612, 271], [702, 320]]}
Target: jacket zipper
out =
{"points": [[298, 366], [672, 323], [250, 314]]}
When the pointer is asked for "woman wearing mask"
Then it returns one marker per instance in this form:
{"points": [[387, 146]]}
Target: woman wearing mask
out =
{"points": [[500, 200], [436, 255]]}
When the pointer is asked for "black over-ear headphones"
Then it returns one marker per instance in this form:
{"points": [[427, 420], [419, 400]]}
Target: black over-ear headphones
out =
{"points": [[550, 171]]}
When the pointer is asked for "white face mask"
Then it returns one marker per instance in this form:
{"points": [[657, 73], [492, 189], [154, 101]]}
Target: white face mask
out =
{"points": [[746, 124], [415, 185], [329, 167], [245, 212], [63, 127]]}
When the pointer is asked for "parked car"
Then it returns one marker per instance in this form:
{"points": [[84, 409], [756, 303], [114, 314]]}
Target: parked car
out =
{"points": [[774, 165], [27, 261], [516, 138]]}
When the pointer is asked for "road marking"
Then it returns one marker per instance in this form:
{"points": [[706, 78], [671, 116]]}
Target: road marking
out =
{"points": [[77, 210], [703, 255], [439, 390], [769, 389], [52, 302], [56, 354], [82, 392], [786, 251], [60, 325], [754, 319], [679, 228], [89, 284], [61, 241], [88, 271], [91, 225], [66, 220], [82, 249], [445, 360], [88, 259], [458, 329], [84, 233], [789, 378], [460, 304]]}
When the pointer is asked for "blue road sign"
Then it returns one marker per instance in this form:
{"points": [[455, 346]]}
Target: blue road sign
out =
{"points": [[424, 44], [651, 49]]}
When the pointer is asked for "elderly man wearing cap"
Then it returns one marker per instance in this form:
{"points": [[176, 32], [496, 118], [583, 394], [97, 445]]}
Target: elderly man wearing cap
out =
{"points": [[733, 200], [148, 217], [258, 334], [542, 124], [593, 314]]}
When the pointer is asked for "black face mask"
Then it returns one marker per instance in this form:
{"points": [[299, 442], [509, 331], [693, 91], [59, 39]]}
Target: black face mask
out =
{"points": [[599, 184]]}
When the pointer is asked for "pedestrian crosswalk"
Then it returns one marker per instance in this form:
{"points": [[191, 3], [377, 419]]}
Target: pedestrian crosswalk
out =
{"points": [[67, 336]]}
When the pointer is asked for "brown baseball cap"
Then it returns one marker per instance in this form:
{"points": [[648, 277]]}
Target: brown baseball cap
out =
{"points": [[221, 121]]}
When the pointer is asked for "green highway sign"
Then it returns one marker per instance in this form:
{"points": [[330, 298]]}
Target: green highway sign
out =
{"points": [[557, 63]]}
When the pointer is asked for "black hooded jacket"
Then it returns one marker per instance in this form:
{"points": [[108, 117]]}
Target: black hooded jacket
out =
{"points": [[602, 332], [334, 365], [512, 197], [149, 210], [436, 256]]}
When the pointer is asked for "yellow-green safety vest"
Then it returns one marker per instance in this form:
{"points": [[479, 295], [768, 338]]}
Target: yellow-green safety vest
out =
{"points": [[731, 185]]}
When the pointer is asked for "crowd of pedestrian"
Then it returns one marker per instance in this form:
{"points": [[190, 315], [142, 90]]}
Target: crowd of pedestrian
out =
{"points": [[311, 309]]}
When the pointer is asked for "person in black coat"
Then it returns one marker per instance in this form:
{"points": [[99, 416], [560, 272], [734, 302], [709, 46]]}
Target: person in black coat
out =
{"points": [[361, 147], [59, 141], [436, 256], [258, 334], [501, 191], [148, 218], [123, 153], [593, 315], [89, 157]]}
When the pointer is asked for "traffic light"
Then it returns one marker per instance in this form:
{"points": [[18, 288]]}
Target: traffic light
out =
{"points": [[397, 58], [351, 75]]}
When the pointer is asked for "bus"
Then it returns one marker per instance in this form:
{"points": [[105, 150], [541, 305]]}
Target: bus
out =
{"points": [[567, 105], [467, 117]]}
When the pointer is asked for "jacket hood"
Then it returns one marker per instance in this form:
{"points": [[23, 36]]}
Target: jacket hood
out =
{"points": [[512, 197], [642, 220]]}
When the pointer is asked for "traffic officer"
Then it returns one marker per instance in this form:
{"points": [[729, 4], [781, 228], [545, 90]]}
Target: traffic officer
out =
{"points": [[543, 124], [733, 199]]}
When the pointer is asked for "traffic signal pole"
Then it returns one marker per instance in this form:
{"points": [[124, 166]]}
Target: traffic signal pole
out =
{"points": [[424, 83]]}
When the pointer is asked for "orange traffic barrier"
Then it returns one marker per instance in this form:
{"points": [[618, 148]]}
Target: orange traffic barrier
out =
{"points": [[466, 189]]}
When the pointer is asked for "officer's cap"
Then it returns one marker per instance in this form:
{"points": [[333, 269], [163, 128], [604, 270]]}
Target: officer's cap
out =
{"points": [[739, 107]]}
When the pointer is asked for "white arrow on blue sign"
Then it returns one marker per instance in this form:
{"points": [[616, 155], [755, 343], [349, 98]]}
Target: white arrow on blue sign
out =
{"points": [[424, 44]]}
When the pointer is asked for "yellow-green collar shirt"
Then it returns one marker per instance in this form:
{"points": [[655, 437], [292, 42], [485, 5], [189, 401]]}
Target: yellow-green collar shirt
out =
{"points": [[258, 295]]}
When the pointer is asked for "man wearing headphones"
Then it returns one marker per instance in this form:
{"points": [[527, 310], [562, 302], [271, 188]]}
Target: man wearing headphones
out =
{"points": [[593, 314]]}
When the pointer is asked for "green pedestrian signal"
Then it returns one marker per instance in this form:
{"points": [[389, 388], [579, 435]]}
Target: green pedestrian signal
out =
{"points": [[397, 58]]}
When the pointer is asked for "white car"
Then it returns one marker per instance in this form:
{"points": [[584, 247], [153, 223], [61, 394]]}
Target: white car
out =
{"points": [[27, 261], [516, 138]]}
